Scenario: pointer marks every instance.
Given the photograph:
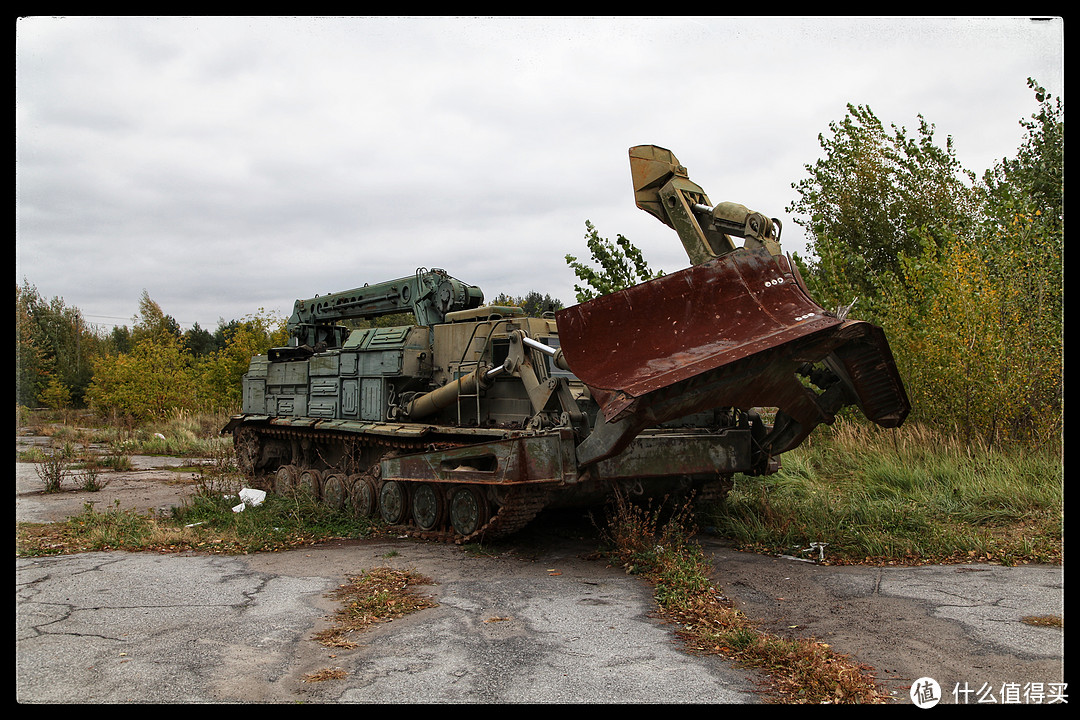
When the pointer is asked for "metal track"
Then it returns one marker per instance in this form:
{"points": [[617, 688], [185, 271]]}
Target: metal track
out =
{"points": [[521, 505], [517, 505]]}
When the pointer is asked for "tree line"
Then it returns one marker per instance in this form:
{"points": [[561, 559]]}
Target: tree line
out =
{"points": [[965, 274], [145, 372]]}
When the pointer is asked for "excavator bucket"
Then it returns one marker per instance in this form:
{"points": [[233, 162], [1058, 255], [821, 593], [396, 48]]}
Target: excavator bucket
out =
{"points": [[737, 329]]}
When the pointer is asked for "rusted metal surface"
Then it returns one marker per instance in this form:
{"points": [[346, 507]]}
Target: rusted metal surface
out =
{"points": [[731, 332], [659, 333], [871, 369], [544, 458], [677, 454]]}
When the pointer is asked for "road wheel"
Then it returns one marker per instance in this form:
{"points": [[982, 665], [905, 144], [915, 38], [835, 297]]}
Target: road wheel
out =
{"points": [[468, 510], [285, 479], [310, 482], [334, 491], [362, 497], [427, 506], [393, 502]]}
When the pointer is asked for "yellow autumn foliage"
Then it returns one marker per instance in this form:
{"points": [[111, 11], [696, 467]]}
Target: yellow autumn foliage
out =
{"points": [[977, 329]]}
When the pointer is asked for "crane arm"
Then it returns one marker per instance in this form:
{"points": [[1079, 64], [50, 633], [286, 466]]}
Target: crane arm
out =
{"points": [[428, 294]]}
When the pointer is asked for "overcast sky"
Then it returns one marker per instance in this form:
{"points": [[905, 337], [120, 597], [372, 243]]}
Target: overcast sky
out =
{"points": [[228, 165]]}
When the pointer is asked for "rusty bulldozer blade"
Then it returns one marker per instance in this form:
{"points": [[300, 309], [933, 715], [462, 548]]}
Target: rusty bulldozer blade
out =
{"points": [[737, 331]]}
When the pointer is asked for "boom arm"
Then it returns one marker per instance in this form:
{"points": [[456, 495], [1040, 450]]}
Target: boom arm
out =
{"points": [[429, 295], [662, 188]]}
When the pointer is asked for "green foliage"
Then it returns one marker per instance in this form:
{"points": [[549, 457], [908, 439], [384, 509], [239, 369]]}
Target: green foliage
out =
{"points": [[871, 200], [53, 348], [56, 395], [280, 521], [149, 383], [977, 332], [619, 265], [152, 323], [978, 319], [533, 303], [148, 373], [53, 470], [1032, 183], [200, 342], [908, 495], [31, 360], [967, 281]]}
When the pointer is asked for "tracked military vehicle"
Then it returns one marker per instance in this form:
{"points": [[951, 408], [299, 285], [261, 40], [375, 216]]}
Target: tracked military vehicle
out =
{"points": [[469, 421]]}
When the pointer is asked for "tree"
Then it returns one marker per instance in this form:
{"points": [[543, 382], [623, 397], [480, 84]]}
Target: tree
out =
{"points": [[871, 200], [536, 304], [52, 343], [32, 364], [56, 395], [199, 342], [620, 265], [533, 303], [119, 339], [1034, 180], [976, 320], [153, 380], [152, 322]]}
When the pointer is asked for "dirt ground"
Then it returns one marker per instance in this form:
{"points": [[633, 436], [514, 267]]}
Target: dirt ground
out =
{"points": [[959, 624], [154, 483]]}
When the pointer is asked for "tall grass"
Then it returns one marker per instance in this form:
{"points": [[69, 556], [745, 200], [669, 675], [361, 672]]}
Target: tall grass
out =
{"points": [[182, 434], [907, 495]]}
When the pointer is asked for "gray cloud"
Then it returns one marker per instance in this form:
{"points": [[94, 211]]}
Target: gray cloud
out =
{"points": [[232, 164]]}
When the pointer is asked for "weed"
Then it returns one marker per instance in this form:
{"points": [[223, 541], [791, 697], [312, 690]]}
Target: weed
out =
{"points": [[33, 454], [219, 476], [903, 496], [91, 477], [114, 529], [53, 470], [656, 544], [118, 458], [205, 523]]}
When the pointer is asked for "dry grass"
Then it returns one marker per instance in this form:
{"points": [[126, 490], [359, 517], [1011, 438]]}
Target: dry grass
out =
{"points": [[376, 596], [324, 675], [658, 547]]}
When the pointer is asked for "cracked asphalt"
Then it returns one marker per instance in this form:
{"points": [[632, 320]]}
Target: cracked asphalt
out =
{"points": [[542, 621], [140, 627]]}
